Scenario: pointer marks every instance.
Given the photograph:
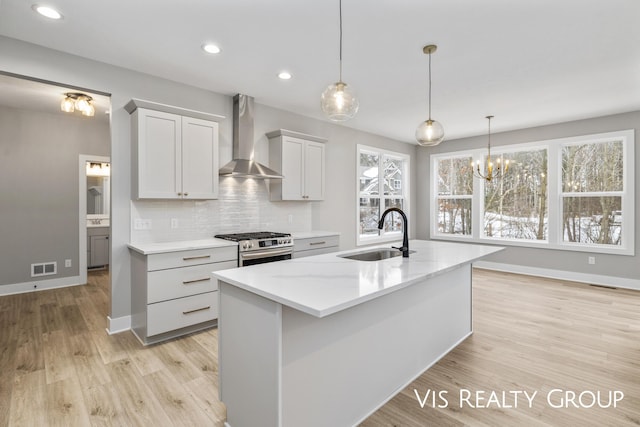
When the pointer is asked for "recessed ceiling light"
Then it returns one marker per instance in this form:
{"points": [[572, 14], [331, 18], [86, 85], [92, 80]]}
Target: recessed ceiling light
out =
{"points": [[210, 48], [47, 11], [284, 75]]}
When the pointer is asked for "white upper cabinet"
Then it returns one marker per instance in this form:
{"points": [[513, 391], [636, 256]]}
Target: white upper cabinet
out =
{"points": [[301, 159], [175, 156]]}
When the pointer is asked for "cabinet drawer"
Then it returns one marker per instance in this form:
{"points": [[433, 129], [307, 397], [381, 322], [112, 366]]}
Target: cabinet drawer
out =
{"points": [[195, 257], [174, 283], [179, 313], [312, 252], [316, 243]]}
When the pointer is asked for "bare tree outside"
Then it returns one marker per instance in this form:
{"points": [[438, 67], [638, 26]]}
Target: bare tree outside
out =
{"points": [[592, 185], [516, 206], [455, 190]]}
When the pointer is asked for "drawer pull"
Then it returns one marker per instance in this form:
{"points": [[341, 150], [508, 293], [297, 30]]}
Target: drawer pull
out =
{"points": [[204, 279], [316, 243], [196, 310], [190, 258]]}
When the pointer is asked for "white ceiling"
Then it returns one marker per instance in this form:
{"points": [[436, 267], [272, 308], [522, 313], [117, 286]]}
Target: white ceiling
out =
{"points": [[526, 62]]}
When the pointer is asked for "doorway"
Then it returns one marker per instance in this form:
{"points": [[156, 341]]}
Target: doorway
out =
{"points": [[41, 144], [94, 212]]}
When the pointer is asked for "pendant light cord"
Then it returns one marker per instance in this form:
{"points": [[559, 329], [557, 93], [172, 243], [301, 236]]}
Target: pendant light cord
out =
{"points": [[340, 3], [429, 85], [489, 138]]}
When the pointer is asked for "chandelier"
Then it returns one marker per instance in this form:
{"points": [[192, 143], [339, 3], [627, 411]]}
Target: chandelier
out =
{"points": [[491, 171]]}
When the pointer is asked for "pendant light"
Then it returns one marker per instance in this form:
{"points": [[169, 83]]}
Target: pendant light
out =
{"points": [[430, 132], [490, 172], [338, 100]]}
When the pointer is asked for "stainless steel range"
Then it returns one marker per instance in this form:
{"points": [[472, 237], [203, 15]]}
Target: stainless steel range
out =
{"points": [[261, 247]]}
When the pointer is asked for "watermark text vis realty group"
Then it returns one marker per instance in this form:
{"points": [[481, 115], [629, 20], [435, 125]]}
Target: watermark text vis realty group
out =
{"points": [[506, 399]]}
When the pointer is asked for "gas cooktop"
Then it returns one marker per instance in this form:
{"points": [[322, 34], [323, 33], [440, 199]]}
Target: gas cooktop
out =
{"points": [[256, 235]]}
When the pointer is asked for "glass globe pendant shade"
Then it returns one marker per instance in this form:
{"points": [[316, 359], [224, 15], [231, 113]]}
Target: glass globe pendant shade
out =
{"points": [[90, 111], [82, 103], [339, 102], [67, 105], [429, 133]]}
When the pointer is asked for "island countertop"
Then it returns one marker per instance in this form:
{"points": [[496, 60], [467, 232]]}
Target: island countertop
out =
{"points": [[325, 284]]}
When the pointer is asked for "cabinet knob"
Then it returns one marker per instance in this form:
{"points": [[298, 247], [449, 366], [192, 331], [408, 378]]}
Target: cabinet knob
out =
{"points": [[186, 194], [179, 194]]}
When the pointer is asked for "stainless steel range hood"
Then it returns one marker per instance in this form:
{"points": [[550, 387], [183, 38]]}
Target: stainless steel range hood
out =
{"points": [[243, 165]]}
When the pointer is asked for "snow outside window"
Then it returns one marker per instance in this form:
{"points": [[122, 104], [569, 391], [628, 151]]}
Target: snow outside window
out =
{"points": [[382, 183], [571, 193]]}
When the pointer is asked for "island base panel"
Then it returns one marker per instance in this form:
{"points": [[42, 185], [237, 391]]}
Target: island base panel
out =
{"points": [[249, 357], [340, 369], [288, 368]]}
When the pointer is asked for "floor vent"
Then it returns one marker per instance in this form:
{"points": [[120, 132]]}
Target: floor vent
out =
{"points": [[44, 269]]}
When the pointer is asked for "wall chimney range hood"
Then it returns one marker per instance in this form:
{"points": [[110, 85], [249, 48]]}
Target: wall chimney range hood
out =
{"points": [[243, 165]]}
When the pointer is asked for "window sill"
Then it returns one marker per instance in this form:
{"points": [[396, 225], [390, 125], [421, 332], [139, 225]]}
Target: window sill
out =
{"points": [[596, 249]]}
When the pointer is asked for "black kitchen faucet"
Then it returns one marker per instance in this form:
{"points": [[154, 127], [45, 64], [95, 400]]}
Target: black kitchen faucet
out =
{"points": [[405, 230]]}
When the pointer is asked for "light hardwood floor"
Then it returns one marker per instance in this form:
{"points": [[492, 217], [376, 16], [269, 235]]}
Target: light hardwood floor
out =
{"points": [[58, 367]]}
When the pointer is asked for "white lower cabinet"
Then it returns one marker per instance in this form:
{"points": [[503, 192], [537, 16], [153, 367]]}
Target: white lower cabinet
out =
{"points": [[174, 293], [97, 247], [304, 247]]}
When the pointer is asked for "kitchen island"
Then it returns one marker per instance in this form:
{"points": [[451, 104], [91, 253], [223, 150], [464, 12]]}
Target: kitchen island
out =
{"points": [[327, 340]]}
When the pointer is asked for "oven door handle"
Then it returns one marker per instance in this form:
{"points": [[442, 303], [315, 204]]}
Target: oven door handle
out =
{"points": [[265, 254]]}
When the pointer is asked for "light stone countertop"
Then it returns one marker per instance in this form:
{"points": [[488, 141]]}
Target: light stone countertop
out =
{"points": [[185, 245], [325, 284]]}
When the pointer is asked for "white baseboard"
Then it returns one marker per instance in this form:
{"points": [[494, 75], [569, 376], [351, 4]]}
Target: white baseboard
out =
{"points": [[119, 324], [41, 285], [594, 279]]}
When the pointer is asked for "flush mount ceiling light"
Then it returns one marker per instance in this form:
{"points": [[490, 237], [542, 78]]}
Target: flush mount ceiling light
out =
{"points": [[210, 48], [78, 101], [338, 100], [284, 75], [47, 11], [490, 172], [429, 132], [98, 169]]}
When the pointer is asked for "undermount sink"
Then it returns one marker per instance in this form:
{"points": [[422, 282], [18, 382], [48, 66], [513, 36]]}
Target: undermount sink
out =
{"points": [[374, 254]]}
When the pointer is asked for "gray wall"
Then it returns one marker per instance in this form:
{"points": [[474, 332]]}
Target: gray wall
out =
{"points": [[337, 211], [36, 61], [335, 214], [39, 188], [609, 265]]}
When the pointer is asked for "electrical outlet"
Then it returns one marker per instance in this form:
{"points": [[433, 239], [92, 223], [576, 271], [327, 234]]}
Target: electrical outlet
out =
{"points": [[142, 224], [290, 219], [592, 260], [67, 263], [174, 223]]}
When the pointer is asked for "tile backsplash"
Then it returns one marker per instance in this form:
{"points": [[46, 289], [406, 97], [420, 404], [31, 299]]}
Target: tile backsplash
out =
{"points": [[243, 205]]}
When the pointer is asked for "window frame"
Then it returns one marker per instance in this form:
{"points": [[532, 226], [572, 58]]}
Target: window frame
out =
{"points": [[555, 239], [435, 210], [383, 236]]}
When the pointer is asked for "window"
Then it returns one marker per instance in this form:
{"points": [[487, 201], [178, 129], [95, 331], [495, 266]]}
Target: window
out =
{"points": [[515, 207], [383, 182], [455, 189], [592, 192], [571, 193]]}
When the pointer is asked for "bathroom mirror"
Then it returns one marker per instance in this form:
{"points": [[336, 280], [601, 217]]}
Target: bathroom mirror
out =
{"points": [[98, 175]]}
